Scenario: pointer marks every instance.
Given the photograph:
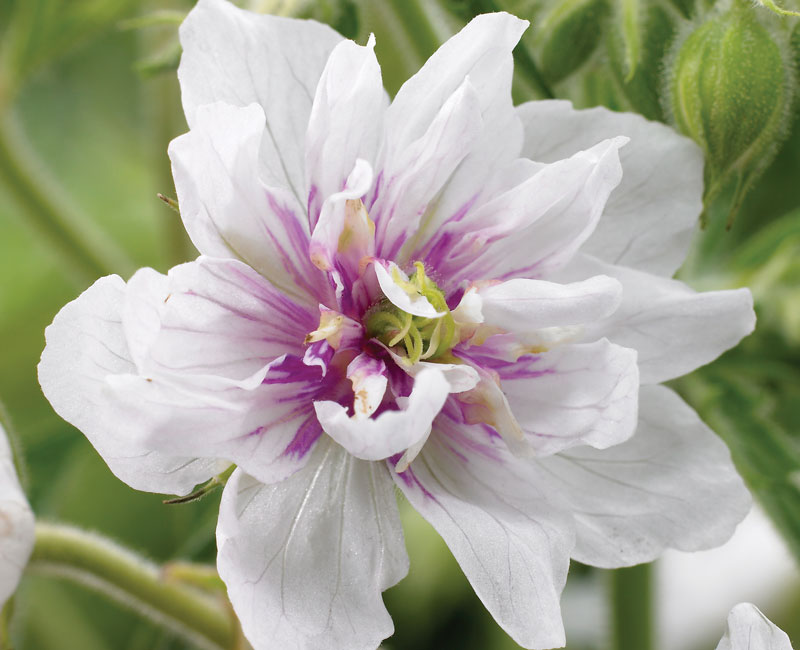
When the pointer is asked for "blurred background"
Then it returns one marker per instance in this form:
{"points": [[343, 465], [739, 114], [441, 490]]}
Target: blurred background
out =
{"points": [[88, 103]]}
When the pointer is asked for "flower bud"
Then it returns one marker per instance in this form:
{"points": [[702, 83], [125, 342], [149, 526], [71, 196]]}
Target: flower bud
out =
{"points": [[567, 36], [730, 91]]}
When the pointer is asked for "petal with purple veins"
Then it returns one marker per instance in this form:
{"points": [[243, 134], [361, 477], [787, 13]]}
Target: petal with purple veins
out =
{"points": [[392, 431], [313, 577]]}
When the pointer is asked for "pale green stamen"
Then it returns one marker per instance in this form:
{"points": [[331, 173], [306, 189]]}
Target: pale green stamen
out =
{"points": [[423, 338]]}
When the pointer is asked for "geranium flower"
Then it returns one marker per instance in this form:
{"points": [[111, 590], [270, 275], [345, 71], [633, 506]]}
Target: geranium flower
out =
{"points": [[16, 524], [419, 293], [749, 629]]}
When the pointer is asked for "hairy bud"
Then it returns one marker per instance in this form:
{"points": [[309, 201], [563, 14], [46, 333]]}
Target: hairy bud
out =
{"points": [[730, 90]]}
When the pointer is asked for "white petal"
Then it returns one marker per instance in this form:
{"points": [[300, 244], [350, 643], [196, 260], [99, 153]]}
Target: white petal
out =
{"points": [[460, 376], [412, 176], [306, 560], [391, 432], [85, 345], [649, 219], [267, 429], [220, 307], [512, 546], [672, 485], [674, 328], [482, 51], [576, 394], [230, 212], [16, 524], [368, 376], [325, 240], [242, 58], [534, 227], [521, 306], [346, 121], [410, 302], [749, 629]]}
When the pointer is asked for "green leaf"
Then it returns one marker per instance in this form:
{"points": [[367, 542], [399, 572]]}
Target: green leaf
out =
{"points": [[739, 398], [567, 35]]}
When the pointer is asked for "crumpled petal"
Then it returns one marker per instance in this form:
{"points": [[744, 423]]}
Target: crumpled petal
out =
{"points": [[534, 224], [412, 176], [511, 544], [460, 376], [649, 219], [16, 524], [521, 306], [267, 430], [576, 394], [346, 121], [241, 58], [305, 560], [674, 328], [391, 432], [672, 485], [220, 307], [85, 345], [749, 629], [231, 211], [481, 50], [326, 240], [368, 376]]}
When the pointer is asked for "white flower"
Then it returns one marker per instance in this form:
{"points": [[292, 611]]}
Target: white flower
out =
{"points": [[749, 629], [16, 524], [397, 294]]}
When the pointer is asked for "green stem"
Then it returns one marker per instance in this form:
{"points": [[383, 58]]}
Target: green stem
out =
{"points": [[99, 564], [418, 25], [85, 250], [523, 58], [632, 608]]}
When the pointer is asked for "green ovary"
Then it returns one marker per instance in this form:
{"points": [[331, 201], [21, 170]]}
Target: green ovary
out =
{"points": [[424, 339]]}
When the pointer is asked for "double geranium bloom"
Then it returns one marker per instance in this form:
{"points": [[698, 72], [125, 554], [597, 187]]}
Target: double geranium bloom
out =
{"points": [[439, 293]]}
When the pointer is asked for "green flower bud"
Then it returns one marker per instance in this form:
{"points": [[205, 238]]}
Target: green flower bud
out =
{"points": [[636, 48], [730, 90], [567, 36]]}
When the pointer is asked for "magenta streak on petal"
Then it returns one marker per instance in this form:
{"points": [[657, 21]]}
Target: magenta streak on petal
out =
{"points": [[307, 434], [438, 248], [319, 354], [522, 368], [411, 480], [299, 241], [275, 301], [376, 190], [313, 210], [451, 428]]}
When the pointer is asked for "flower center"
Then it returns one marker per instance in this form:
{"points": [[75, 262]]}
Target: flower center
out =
{"points": [[423, 338]]}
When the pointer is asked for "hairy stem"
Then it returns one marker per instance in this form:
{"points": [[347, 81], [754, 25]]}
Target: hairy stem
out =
{"points": [[99, 564]]}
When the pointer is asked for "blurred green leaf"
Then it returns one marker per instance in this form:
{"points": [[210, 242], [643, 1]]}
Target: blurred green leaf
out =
{"points": [[567, 35], [636, 49], [39, 31], [751, 395], [740, 397]]}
